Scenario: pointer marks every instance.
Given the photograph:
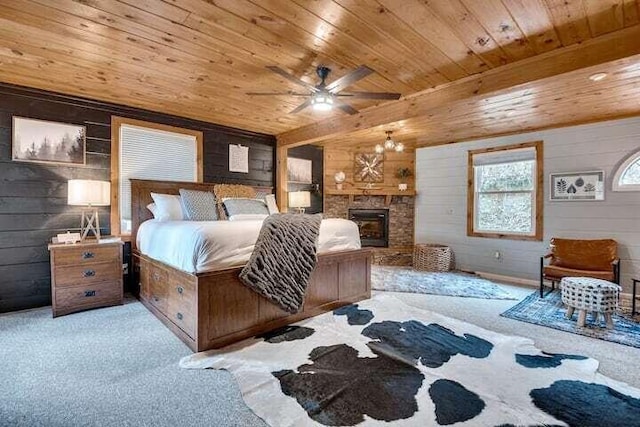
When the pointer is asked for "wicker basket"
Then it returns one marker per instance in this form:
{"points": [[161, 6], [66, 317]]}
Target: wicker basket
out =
{"points": [[432, 257]]}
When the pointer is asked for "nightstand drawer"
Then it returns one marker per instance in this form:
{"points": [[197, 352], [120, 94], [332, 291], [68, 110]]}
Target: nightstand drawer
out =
{"points": [[76, 298], [87, 274], [86, 255]]}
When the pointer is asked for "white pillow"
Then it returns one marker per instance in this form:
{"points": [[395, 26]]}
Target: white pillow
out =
{"points": [[168, 207], [270, 200], [153, 209], [248, 217]]}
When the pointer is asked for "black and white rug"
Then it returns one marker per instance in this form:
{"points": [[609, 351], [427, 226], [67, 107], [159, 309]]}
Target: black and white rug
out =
{"points": [[451, 283], [383, 361]]}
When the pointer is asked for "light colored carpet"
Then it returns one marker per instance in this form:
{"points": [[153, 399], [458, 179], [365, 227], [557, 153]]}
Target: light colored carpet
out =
{"points": [[452, 283], [118, 366], [114, 366]]}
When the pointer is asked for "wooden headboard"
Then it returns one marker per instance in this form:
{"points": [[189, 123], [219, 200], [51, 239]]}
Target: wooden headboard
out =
{"points": [[141, 190]]}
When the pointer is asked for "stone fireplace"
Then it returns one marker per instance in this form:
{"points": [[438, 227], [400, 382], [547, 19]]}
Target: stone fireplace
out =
{"points": [[373, 225], [400, 212]]}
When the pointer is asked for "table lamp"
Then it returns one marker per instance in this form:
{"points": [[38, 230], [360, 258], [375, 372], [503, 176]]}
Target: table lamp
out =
{"points": [[300, 200], [89, 193]]}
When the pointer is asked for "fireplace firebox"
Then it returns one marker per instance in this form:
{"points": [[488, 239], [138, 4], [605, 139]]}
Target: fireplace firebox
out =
{"points": [[373, 225]]}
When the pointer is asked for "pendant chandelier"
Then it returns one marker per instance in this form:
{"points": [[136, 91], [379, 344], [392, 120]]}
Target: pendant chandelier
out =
{"points": [[389, 145]]}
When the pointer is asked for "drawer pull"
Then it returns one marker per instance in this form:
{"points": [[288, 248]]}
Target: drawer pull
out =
{"points": [[88, 255], [89, 273], [179, 316], [156, 277], [180, 289], [155, 298], [89, 293]]}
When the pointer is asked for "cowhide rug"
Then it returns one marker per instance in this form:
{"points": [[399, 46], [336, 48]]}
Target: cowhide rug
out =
{"points": [[383, 361]]}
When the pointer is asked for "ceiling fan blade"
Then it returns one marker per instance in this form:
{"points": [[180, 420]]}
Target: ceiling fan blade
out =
{"points": [[349, 79], [345, 107], [291, 78], [301, 107], [371, 95], [277, 93]]}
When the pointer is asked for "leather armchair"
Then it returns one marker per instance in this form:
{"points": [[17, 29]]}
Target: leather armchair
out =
{"points": [[586, 258]]}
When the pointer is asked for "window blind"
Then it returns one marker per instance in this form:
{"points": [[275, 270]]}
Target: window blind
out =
{"points": [[147, 153], [504, 156]]}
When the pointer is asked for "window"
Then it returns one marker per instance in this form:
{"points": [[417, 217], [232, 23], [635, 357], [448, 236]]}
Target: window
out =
{"points": [[144, 150], [505, 193], [627, 177]]}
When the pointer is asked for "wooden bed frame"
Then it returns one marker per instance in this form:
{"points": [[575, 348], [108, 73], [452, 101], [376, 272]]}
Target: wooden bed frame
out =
{"points": [[213, 309]]}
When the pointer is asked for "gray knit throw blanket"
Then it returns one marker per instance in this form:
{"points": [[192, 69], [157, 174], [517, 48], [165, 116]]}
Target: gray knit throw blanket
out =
{"points": [[283, 259]]}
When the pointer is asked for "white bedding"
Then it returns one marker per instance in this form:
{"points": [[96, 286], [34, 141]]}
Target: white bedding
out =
{"points": [[200, 246]]}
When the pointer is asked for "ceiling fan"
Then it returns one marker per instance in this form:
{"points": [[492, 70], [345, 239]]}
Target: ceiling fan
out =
{"points": [[325, 96]]}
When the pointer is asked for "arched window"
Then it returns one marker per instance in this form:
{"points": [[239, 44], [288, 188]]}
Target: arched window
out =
{"points": [[627, 177]]}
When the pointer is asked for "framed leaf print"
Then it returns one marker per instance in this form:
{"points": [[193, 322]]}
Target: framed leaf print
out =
{"points": [[576, 186]]}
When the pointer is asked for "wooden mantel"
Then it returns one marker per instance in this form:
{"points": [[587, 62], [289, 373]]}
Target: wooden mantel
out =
{"points": [[387, 192]]}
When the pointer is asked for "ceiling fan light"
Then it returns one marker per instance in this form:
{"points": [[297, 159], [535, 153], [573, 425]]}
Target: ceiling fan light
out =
{"points": [[379, 148], [399, 147], [322, 102]]}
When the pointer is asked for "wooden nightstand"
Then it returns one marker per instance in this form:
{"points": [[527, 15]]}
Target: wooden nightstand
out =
{"points": [[85, 275]]}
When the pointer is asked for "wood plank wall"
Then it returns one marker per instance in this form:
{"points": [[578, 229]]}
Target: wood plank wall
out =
{"points": [[33, 204], [341, 158]]}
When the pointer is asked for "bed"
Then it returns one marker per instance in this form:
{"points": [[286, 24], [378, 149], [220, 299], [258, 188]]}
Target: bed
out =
{"points": [[203, 302]]}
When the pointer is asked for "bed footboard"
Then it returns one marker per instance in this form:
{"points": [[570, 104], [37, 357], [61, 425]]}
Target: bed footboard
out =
{"points": [[215, 309]]}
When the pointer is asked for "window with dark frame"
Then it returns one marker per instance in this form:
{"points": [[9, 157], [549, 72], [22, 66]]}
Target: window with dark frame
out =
{"points": [[505, 193]]}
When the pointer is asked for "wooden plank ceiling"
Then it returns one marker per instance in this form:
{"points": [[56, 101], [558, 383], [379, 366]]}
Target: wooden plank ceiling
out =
{"points": [[198, 58]]}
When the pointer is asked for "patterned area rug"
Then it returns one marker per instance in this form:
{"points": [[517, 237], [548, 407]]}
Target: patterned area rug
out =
{"points": [[383, 361], [457, 284], [549, 311]]}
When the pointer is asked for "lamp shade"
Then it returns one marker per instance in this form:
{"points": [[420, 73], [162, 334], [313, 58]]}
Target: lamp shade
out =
{"points": [[300, 199], [85, 192]]}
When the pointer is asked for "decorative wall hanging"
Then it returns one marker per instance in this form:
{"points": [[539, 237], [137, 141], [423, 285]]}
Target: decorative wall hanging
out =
{"points": [[299, 170], [42, 141], [369, 168], [577, 186], [238, 158]]}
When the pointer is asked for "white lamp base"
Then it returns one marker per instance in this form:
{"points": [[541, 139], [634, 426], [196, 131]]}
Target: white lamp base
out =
{"points": [[90, 222]]}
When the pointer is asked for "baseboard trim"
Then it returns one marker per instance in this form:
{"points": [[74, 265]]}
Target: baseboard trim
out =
{"points": [[508, 279]]}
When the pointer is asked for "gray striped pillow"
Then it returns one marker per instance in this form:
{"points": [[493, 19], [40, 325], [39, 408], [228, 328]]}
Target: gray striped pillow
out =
{"points": [[245, 207], [199, 205]]}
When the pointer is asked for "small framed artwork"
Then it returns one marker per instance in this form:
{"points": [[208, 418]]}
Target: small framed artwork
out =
{"points": [[577, 186], [299, 170], [42, 141]]}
